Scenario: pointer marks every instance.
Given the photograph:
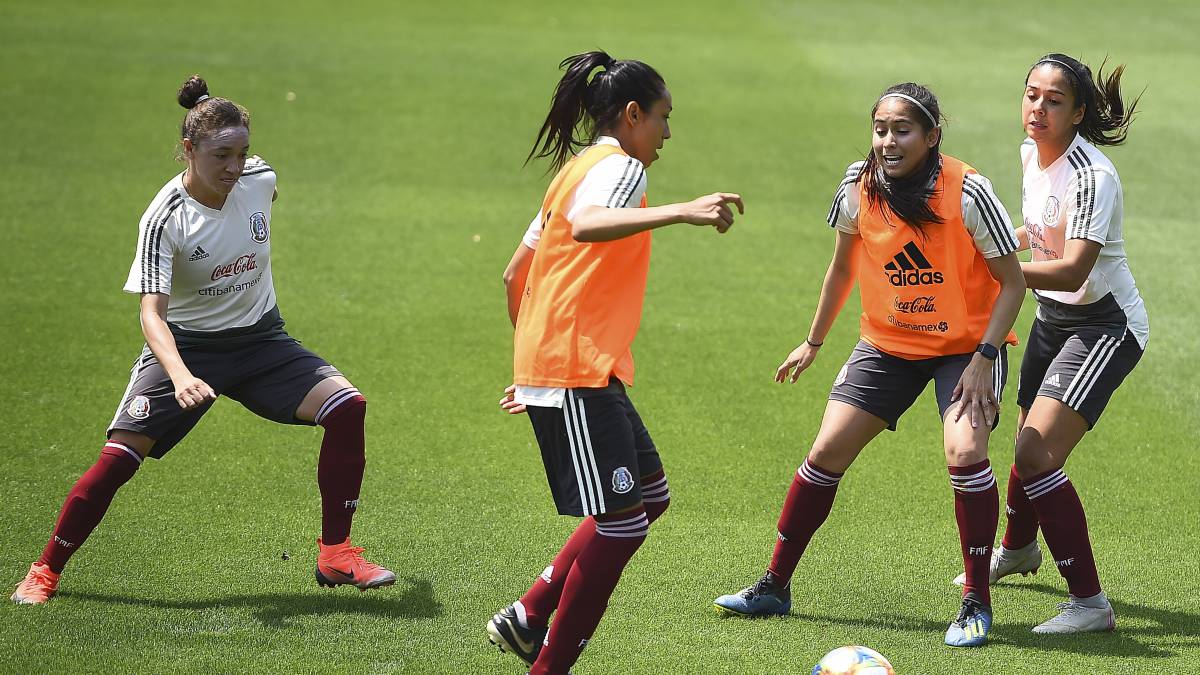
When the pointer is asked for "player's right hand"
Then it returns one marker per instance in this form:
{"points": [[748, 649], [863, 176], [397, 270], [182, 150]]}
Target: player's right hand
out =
{"points": [[507, 404], [800, 359], [713, 210], [192, 392]]}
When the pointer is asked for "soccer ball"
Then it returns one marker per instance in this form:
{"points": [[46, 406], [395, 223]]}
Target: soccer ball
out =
{"points": [[853, 661]]}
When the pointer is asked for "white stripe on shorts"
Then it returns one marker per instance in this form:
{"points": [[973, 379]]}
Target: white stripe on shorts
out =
{"points": [[586, 500], [591, 455], [1090, 371]]}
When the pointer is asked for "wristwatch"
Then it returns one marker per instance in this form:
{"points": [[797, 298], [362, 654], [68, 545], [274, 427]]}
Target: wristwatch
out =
{"points": [[989, 352]]}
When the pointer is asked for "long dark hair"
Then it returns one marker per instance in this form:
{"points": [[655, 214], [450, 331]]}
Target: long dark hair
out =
{"points": [[1106, 119], [907, 197], [206, 114], [594, 104]]}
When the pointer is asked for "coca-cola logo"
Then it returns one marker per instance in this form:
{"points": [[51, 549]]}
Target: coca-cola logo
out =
{"points": [[922, 304], [242, 264]]}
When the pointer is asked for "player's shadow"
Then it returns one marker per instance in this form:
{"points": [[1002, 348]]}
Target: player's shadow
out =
{"points": [[1169, 629], [274, 610]]}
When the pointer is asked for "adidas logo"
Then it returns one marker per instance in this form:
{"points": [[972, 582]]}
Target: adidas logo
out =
{"points": [[198, 254], [1054, 380], [910, 269]]}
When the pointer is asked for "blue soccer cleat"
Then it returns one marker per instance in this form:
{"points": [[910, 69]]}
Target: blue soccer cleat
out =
{"points": [[765, 598], [971, 627]]}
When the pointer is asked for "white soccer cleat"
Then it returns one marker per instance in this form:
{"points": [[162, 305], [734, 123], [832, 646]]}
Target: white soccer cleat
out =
{"points": [[1022, 561], [1076, 618]]}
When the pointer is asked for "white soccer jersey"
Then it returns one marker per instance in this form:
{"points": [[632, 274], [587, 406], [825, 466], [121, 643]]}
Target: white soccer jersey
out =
{"points": [[983, 215], [215, 265], [1079, 197], [617, 181]]}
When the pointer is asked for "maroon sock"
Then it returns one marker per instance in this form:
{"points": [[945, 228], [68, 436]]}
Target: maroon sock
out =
{"points": [[87, 501], [341, 463], [977, 510], [1064, 526], [1022, 527], [808, 503], [542, 598], [588, 586]]}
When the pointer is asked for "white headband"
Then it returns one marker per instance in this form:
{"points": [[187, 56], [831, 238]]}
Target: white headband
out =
{"points": [[207, 96], [906, 97]]}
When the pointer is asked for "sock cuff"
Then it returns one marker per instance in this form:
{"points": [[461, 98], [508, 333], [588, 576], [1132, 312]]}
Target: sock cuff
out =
{"points": [[1045, 483], [655, 489], [815, 475], [627, 525], [121, 450], [338, 401], [977, 477]]}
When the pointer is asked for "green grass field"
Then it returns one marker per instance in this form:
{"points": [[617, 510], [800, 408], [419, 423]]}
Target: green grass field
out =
{"points": [[402, 195]]}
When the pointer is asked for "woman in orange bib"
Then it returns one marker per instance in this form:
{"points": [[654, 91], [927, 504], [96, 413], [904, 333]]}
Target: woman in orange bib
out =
{"points": [[575, 290], [933, 252]]}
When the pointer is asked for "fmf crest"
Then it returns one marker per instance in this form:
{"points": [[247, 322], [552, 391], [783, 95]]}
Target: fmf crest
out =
{"points": [[258, 228], [622, 480], [139, 408]]}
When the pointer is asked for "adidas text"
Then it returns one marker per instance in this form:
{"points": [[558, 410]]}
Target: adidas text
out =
{"points": [[915, 278]]}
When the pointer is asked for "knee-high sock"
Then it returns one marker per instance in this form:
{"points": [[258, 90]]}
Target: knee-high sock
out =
{"points": [[808, 503], [1022, 527], [341, 462], [542, 598], [87, 501], [977, 510], [588, 586], [1064, 527]]}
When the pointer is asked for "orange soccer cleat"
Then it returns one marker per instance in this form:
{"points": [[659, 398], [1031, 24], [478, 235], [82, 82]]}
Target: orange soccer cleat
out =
{"points": [[343, 564], [37, 586]]}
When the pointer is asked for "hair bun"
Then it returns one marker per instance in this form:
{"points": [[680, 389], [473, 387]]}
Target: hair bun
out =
{"points": [[192, 90]]}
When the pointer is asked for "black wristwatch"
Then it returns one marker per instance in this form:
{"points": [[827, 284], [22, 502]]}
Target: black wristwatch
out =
{"points": [[989, 352]]}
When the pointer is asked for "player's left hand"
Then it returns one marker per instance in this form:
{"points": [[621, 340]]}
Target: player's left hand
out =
{"points": [[974, 393], [507, 404]]}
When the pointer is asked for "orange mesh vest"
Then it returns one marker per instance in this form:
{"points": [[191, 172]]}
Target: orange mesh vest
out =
{"points": [[583, 301], [930, 294]]}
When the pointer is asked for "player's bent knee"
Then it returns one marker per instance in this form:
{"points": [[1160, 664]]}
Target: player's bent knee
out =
{"points": [[344, 406]]}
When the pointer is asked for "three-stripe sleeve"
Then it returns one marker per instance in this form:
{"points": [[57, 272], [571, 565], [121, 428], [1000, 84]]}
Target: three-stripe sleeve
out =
{"points": [[985, 218], [153, 263], [843, 213], [1092, 196]]}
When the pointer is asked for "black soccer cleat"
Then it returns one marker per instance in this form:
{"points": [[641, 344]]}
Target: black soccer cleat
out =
{"points": [[506, 632]]}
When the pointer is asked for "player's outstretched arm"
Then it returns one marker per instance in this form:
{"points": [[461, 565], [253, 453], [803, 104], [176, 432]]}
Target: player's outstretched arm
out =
{"points": [[190, 391], [839, 281], [598, 223]]}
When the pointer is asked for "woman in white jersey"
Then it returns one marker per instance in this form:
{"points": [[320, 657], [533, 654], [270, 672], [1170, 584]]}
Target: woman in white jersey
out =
{"points": [[203, 273], [1091, 325]]}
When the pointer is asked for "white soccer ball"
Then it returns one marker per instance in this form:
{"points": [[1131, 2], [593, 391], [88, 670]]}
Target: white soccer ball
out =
{"points": [[853, 661]]}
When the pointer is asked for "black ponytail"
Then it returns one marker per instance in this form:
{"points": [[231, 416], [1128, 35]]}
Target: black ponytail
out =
{"points": [[594, 104], [1106, 119], [907, 197]]}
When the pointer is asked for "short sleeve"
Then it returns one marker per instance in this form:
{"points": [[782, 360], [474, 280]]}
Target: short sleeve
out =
{"points": [[1091, 200], [533, 234], [843, 213], [156, 247], [985, 218], [615, 182]]}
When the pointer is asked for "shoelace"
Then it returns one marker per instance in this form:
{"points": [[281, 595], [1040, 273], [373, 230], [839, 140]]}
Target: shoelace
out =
{"points": [[761, 587], [969, 609], [39, 580]]}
